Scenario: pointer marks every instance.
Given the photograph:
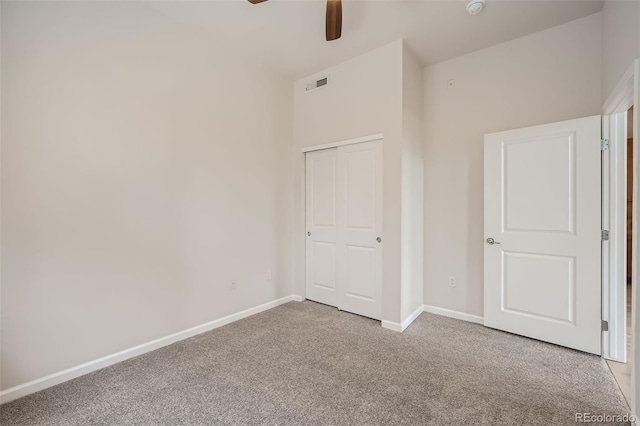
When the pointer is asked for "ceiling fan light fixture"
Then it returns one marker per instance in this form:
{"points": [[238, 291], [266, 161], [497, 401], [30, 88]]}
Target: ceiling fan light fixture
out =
{"points": [[476, 6]]}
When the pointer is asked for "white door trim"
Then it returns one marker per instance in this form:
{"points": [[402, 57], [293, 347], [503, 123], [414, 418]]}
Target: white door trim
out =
{"points": [[614, 219], [368, 138], [634, 240], [623, 96], [614, 216]]}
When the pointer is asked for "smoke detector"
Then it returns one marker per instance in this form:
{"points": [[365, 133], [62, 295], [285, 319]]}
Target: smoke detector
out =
{"points": [[475, 6]]}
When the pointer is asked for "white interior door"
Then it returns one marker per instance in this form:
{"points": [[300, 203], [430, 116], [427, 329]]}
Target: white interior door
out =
{"points": [[344, 227], [321, 218], [542, 256], [360, 228]]}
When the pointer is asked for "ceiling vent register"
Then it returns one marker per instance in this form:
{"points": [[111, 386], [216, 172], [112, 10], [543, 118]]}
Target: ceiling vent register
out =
{"points": [[317, 84]]}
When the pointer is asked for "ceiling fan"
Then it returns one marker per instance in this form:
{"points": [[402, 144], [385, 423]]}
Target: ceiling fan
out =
{"points": [[333, 25]]}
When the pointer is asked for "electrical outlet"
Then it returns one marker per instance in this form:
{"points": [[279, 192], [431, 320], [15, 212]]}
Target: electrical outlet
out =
{"points": [[233, 285], [452, 281]]}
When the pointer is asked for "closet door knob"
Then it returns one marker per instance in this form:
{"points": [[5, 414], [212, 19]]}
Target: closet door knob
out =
{"points": [[379, 239], [309, 233]]}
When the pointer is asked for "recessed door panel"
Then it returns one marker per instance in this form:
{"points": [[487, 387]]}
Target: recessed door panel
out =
{"points": [[530, 187], [323, 203], [360, 194], [324, 261], [539, 286], [360, 265]]}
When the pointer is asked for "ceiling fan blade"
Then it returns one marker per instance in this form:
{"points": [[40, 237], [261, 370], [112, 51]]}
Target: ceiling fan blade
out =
{"points": [[256, 1], [334, 19]]}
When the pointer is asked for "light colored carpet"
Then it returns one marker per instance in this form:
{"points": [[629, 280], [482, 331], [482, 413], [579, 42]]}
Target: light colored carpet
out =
{"points": [[309, 364]]}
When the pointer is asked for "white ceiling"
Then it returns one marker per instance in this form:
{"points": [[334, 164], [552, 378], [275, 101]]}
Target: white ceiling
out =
{"points": [[289, 35]]}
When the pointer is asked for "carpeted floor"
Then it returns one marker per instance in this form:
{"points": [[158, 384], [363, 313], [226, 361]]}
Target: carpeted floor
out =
{"points": [[309, 364]]}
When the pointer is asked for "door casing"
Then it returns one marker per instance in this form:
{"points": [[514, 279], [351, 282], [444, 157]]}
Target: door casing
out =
{"points": [[623, 97]]}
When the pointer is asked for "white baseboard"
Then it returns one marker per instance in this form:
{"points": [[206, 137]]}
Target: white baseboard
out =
{"points": [[400, 327], [411, 318], [393, 326], [88, 367], [453, 314]]}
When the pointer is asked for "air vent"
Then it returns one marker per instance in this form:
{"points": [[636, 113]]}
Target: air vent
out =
{"points": [[317, 84]]}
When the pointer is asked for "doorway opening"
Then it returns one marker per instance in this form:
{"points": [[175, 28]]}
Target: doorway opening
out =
{"points": [[622, 369]]}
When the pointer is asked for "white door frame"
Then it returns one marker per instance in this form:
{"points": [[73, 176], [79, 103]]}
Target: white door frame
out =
{"points": [[623, 96], [368, 138], [614, 218]]}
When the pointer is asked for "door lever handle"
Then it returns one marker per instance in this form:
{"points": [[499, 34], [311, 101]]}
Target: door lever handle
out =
{"points": [[491, 241]]}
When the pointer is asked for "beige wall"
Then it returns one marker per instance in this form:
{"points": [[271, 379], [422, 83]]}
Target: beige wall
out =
{"points": [[142, 170], [364, 97], [412, 197], [549, 76], [620, 41]]}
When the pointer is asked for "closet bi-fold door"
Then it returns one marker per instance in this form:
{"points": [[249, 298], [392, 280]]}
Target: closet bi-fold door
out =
{"points": [[344, 227]]}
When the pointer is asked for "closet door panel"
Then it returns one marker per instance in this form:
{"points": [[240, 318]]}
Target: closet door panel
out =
{"points": [[359, 259], [321, 224]]}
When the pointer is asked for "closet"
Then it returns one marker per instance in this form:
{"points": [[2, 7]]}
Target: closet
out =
{"points": [[344, 227]]}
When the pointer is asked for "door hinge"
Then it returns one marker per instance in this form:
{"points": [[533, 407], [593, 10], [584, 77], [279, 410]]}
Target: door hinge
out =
{"points": [[605, 235], [604, 144], [605, 325]]}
